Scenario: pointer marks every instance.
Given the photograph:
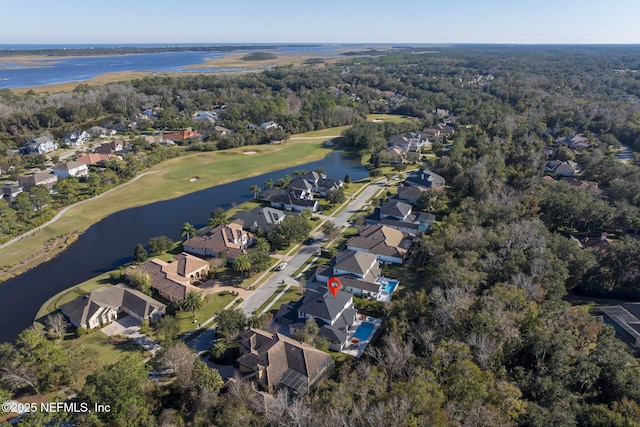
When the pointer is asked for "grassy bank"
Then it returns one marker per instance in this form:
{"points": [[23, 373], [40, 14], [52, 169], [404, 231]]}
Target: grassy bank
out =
{"points": [[164, 181]]}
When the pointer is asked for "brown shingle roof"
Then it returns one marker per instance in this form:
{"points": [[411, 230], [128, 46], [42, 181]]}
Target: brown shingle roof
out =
{"points": [[381, 240]]}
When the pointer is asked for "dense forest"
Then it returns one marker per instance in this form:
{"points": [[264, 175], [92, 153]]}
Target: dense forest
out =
{"points": [[482, 333]]}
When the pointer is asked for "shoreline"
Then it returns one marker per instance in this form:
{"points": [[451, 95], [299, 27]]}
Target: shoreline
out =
{"points": [[18, 253]]}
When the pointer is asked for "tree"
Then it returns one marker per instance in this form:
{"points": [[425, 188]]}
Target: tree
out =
{"points": [[329, 229], [139, 280], [218, 216], [242, 264], [336, 196], [160, 244], [347, 179], [229, 323], [56, 325], [204, 378], [187, 230], [167, 329], [255, 190], [262, 245], [124, 386], [268, 184], [309, 332], [40, 196], [47, 362], [192, 302], [23, 205], [140, 254]]}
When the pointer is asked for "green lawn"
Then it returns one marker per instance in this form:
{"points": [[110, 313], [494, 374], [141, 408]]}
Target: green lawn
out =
{"points": [[167, 180], [96, 349], [54, 303], [215, 303], [293, 294], [393, 118]]}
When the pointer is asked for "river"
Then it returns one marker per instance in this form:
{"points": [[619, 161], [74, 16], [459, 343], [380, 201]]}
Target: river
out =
{"points": [[110, 243], [75, 69]]}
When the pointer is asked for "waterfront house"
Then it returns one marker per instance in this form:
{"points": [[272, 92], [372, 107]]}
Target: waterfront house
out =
{"points": [[173, 280], [226, 240], [102, 306], [76, 139]]}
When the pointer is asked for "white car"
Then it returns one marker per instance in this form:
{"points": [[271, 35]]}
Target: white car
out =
{"points": [[281, 266]]}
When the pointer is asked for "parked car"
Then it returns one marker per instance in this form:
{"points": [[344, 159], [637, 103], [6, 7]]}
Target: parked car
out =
{"points": [[281, 266]]}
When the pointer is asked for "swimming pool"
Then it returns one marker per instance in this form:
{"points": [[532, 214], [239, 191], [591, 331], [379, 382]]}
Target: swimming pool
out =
{"points": [[364, 330], [389, 285]]}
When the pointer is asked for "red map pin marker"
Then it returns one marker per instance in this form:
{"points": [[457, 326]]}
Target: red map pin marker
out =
{"points": [[334, 285]]}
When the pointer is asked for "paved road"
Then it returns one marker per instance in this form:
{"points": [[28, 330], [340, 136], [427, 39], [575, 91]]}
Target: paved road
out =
{"points": [[261, 294]]}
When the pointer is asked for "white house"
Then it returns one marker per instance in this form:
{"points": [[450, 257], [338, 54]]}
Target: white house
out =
{"points": [[41, 145], [76, 139], [72, 168]]}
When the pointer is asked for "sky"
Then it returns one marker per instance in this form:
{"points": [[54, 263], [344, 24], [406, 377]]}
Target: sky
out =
{"points": [[325, 21]]}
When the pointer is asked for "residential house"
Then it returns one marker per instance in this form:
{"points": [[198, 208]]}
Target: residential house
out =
{"points": [[398, 215], [627, 317], [599, 243], [100, 132], [76, 139], [115, 146], [275, 361], [71, 169], [359, 272], [392, 155], [6, 169], [293, 199], [319, 183], [425, 178], [104, 305], [566, 168], [577, 142], [334, 315], [175, 279], [270, 125], [409, 193], [41, 145], [38, 178], [388, 244], [10, 191], [222, 130], [259, 218], [182, 135], [95, 159], [200, 115], [227, 240], [410, 142]]}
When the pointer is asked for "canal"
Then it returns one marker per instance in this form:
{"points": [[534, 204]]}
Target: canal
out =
{"points": [[109, 243]]}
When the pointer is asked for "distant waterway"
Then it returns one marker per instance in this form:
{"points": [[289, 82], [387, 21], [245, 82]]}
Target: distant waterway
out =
{"points": [[110, 243], [58, 69]]}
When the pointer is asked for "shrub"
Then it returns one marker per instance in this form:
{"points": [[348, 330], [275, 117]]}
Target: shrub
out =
{"points": [[81, 331]]}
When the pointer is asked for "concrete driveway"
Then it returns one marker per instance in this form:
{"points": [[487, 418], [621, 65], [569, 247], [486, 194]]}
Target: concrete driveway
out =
{"points": [[130, 327]]}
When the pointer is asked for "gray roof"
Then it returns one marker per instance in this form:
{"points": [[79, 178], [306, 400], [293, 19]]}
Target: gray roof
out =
{"points": [[426, 178], [83, 308], [395, 209], [324, 304], [354, 261], [259, 218]]}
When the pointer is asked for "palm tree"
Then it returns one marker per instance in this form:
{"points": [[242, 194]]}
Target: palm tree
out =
{"points": [[268, 184], [255, 190], [262, 245], [192, 302], [187, 230], [242, 264]]}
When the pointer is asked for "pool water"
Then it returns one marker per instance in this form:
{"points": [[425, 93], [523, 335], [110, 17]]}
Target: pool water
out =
{"points": [[390, 286], [364, 330]]}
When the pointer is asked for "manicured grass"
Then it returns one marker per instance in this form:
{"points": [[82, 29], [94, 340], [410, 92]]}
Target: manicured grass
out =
{"points": [[393, 118], [271, 298], [166, 180], [294, 293], [96, 349], [54, 303], [215, 303]]}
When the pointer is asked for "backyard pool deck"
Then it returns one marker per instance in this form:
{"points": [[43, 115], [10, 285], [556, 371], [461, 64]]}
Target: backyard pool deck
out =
{"points": [[356, 349]]}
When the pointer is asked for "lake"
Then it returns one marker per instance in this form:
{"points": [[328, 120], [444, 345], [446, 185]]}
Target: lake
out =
{"points": [[110, 243], [75, 69]]}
